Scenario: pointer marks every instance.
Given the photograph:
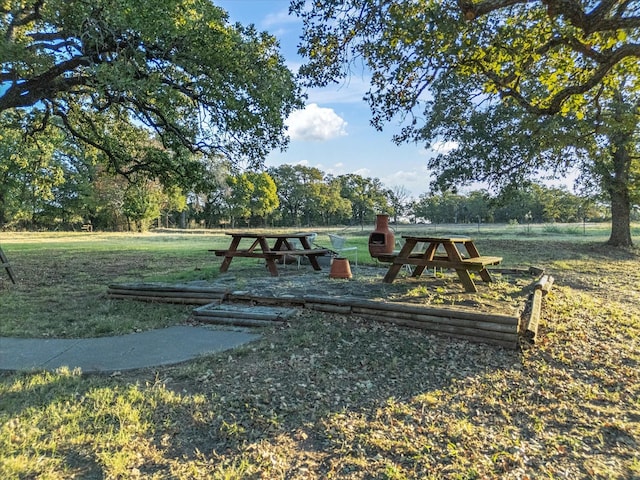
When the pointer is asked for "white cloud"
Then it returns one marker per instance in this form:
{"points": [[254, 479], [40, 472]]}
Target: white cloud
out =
{"points": [[315, 123], [363, 172], [444, 147], [404, 176], [416, 180], [279, 18]]}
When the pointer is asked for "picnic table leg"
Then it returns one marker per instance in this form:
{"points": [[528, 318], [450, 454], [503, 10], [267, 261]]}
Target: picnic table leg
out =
{"points": [[466, 280], [4, 262], [265, 246], [428, 255], [313, 259], [227, 259], [394, 269], [454, 255], [473, 252], [392, 273], [485, 275], [271, 265], [271, 261]]}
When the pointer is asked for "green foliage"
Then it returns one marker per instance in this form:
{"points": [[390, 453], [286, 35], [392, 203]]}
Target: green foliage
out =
{"points": [[298, 190], [305, 193], [251, 194], [367, 196], [264, 197], [30, 169], [111, 74], [141, 203], [487, 75], [529, 203]]}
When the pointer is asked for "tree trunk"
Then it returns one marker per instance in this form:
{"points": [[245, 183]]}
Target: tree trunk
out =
{"points": [[618, 187], [3, 218]]}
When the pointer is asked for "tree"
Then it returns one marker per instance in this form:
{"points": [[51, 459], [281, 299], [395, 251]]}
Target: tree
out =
{"points": [[398, 199], [251, 194], [237, 198], [506, 145], [141, 204], [478, 207], [106, 200], [263, 200], [445, 207], [105, 71], [297, 190], [569, 59], [333, 207], [367, 196], [30, 170], [172, 200]]}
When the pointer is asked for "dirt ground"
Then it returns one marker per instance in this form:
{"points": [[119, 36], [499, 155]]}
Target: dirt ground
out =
{"points": [[507, 294]]}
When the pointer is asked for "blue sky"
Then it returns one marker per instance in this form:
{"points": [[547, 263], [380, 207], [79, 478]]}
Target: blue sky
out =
{"points": [[333, 132]]}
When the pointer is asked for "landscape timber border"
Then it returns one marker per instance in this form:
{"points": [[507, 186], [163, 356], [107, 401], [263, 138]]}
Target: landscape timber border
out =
{"points": [[509, 331]]}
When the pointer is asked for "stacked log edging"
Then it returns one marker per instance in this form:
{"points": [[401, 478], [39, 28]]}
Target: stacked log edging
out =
{"points": [[529, 331], [168, 293], [495, 329], [243, 316], [491, 328]]}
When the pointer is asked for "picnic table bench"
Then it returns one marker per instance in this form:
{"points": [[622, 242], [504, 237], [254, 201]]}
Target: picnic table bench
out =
{"points": [[412, 254], [285, 244]]}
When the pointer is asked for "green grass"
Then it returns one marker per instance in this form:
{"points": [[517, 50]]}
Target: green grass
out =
{"points": [[63, 279], [329, 396]]}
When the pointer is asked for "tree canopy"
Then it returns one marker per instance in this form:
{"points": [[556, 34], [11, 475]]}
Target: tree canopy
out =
{"points": [[509, 63], [115, 73], [543, 54]]}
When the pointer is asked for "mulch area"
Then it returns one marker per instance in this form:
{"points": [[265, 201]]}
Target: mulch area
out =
{"points": [[508, 293]]}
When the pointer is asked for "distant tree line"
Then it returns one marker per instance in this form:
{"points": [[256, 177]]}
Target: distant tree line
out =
{"points": [[63, 193]]}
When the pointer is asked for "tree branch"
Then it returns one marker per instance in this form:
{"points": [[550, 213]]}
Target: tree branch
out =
{"points": [[24, 16], [472, 10], [600, 19], [555, 102], [46, 85]]}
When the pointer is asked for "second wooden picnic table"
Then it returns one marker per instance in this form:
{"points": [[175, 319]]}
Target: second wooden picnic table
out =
{"points": [[284, 244], [412, 253]]}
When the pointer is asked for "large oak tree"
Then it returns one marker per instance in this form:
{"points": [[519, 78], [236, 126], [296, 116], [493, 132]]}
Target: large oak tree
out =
{"points": [[106, 70], [521, 65]]}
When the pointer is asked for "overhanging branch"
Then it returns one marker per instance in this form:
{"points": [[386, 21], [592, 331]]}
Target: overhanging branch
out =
{"points": [[606, 16], [554, 103]]}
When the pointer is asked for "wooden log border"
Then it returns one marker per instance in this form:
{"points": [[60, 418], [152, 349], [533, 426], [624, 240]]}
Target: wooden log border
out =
{"points": [[498, 329], [157, 293], [529, 333]]}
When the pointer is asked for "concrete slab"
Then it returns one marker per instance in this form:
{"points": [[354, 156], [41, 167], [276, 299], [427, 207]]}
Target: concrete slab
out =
{"points": [[127, 352]]}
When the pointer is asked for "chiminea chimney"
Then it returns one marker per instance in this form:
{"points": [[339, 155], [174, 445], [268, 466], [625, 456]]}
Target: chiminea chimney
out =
{"points": [[382, 239]]}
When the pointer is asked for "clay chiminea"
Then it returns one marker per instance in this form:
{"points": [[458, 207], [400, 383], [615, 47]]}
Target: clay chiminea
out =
{"points": [[382, 239]]}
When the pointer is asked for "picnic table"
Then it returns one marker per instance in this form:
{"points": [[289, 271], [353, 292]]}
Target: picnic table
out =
{"points": [[283, 245], [425, 252]]}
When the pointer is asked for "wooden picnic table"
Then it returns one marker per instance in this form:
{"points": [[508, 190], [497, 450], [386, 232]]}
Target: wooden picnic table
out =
{"points": [[423, 252], [284, 244]]}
